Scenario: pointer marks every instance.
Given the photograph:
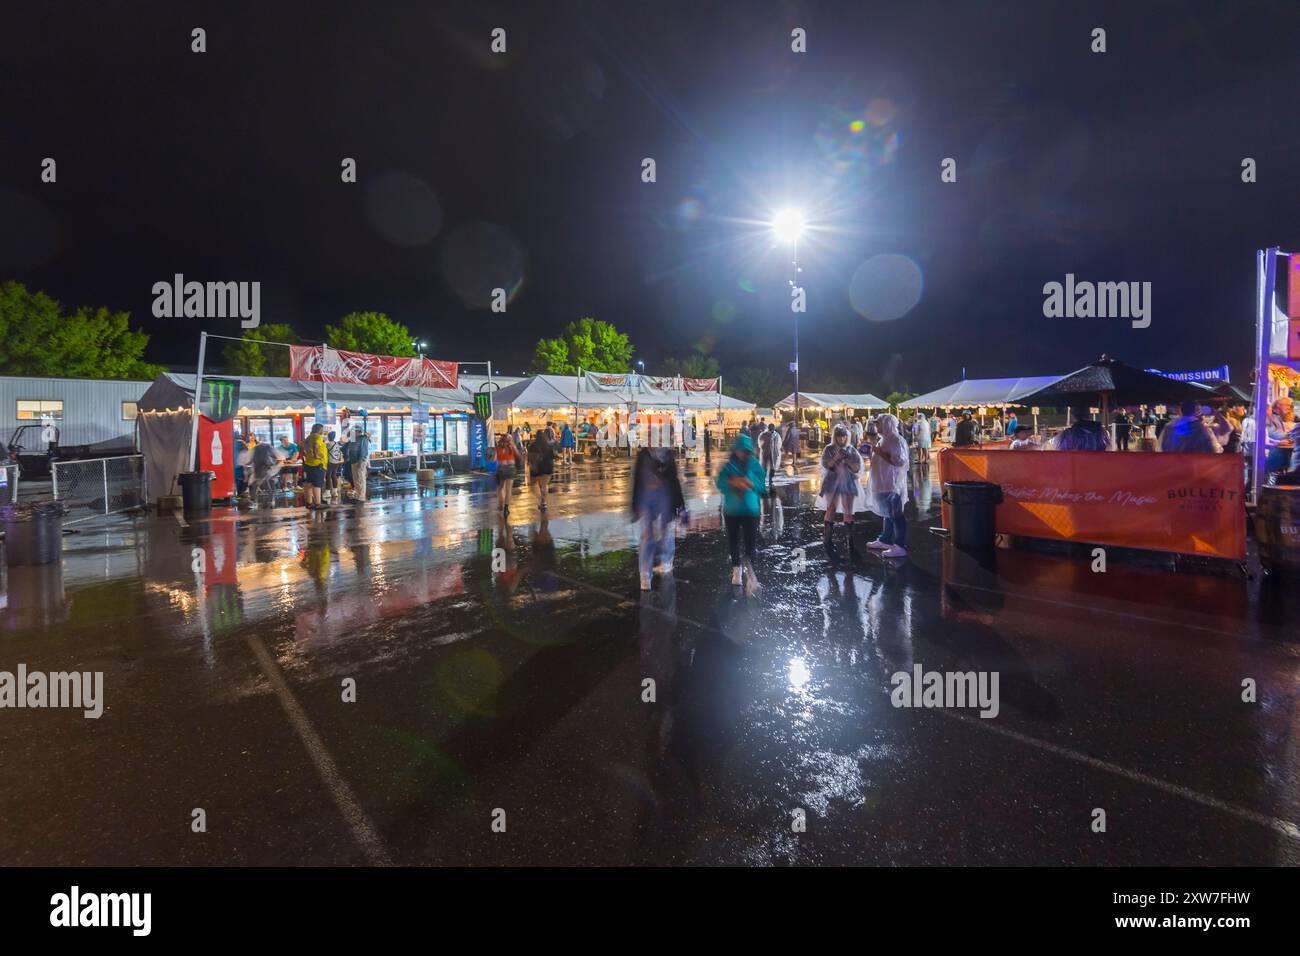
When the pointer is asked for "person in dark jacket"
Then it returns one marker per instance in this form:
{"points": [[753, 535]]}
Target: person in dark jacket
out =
{"points": [[769, 452], [741, 481], [967, 431], [656, 501]]}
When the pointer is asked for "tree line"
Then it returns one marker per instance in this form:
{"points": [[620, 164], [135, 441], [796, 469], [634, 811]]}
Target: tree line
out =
{"points": [[39, 338]]}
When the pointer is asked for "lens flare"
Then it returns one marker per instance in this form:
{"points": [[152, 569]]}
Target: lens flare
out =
{"points": [[788, 225]]}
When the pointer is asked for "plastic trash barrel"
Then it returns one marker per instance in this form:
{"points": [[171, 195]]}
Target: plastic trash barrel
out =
{"points": [[972, 508], [33, 532], [196, 491]]}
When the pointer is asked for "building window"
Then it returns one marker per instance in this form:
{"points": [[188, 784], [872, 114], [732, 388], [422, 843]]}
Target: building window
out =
{"points": [[29, 410], [129, 411]]}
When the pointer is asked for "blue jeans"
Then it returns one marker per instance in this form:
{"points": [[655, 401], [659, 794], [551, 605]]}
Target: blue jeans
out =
{"points": [[895, 531], [658, 537]]}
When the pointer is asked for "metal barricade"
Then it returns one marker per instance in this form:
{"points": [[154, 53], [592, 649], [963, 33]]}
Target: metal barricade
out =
{"points": [[99, 486], [8, 484]]}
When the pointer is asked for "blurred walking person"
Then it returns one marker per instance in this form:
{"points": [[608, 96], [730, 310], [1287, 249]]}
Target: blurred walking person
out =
{"points": [[657, 500], [541, 465], [741, 482], [769, 452], [567, 443], [507, 463]]}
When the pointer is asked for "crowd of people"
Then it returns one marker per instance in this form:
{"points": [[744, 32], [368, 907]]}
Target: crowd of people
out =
{"points": [[321, 466]]}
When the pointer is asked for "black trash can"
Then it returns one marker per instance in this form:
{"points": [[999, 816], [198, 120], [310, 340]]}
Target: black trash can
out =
{"points": [[33, 533], [196, 491], [972, 507]]}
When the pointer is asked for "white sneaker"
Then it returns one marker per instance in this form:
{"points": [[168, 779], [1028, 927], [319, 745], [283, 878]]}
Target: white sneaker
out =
{"points": [[879, 545], [895, 551], [752, 586], [645, 582], [735, 575]]}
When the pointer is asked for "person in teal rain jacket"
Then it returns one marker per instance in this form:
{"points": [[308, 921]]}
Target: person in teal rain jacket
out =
{"points": [[741, 482]]}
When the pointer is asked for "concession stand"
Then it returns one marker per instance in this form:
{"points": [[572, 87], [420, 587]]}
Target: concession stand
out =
{"points": [[270, 408], [1185, 503]]}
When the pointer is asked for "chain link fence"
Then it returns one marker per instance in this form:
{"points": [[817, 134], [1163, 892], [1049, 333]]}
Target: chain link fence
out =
{"points": [[99, 486], [8, 484]]}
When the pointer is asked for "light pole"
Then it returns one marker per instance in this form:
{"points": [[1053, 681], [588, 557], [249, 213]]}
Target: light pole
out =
{"points": [[788, 226], [420, 346]]}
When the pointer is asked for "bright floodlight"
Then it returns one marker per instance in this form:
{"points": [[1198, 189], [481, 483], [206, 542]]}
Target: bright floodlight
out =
{"points": [[788, 225]]}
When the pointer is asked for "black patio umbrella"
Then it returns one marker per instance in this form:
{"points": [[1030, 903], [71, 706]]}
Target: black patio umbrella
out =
{"points": [[1109, 383]]}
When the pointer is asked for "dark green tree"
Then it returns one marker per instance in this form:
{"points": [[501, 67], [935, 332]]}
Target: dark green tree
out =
{"points": [[37, 339], [762, 386], [590, 344], [695, 365], [247, 357], [371, 332]]}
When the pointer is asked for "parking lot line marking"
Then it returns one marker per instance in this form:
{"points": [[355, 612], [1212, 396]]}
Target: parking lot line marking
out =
{"points": [[363, 830], [1284, 827], [1145, 618]]}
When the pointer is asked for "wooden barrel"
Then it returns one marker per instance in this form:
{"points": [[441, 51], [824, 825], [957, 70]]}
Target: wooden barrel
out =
{"points": [[1277, 528]]}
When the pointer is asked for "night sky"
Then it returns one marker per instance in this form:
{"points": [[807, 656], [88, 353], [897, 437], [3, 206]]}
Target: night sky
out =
{"points": [[524, 170]]}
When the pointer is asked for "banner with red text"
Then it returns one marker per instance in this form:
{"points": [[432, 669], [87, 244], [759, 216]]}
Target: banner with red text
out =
{"points": [[318, 363], [702, 384], [1192, 504]]}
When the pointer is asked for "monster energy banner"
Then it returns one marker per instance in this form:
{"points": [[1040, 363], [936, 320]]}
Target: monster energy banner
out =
{"points": [[219, 399], [483, 405]]}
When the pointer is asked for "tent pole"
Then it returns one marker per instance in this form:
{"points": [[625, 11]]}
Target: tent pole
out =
{"points": [[194, 411]]}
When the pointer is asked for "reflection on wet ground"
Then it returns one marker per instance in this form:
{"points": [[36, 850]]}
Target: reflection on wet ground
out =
{"points": [[507, 667]]}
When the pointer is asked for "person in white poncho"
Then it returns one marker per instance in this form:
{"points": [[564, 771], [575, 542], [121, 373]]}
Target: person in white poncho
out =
{"points": [[887, 488], [841, 488]]}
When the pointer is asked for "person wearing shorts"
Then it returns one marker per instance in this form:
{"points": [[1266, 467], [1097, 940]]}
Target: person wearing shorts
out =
{"points": [[314, 458], [541, 465], [507, 462]]}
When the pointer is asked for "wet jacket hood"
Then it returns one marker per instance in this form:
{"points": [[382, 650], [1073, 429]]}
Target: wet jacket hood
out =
{"points": [[743, 443]]}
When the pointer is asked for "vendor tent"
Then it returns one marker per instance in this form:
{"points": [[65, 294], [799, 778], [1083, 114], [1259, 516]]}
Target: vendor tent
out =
{"points": [[562, 391], [165, 425], [976, 392], [540, 391], [833, 400]]}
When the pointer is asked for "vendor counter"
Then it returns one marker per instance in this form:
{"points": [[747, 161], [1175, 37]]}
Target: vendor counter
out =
{"points": [[1191, 504]]}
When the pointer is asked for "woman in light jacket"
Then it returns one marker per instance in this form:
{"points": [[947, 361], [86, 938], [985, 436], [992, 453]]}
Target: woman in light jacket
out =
{"points": [[841, 487]]}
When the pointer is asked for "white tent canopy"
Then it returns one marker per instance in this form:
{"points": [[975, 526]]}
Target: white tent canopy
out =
{"points": [[286, 394], [561, 391], [165, 413], [975, 392], [833, 400]]}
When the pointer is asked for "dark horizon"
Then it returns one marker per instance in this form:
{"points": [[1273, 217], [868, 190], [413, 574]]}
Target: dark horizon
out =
{"points": [[478, 170]]}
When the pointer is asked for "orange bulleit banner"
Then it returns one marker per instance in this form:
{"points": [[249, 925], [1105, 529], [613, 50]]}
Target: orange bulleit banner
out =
{"points": [[1193, 504]]}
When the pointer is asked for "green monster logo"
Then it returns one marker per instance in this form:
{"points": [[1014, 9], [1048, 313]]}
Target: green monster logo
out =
{"points": [[222, 399], [483, 405]]}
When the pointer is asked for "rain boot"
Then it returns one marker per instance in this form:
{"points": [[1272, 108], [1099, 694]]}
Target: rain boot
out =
{"points": [[829, 541], [854, 553]]}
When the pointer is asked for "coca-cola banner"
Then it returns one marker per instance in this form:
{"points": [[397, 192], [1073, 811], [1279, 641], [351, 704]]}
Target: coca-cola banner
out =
{"points": [[701, 384], [318, 363]]}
